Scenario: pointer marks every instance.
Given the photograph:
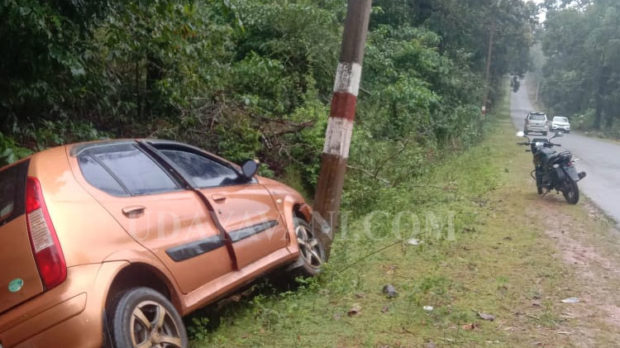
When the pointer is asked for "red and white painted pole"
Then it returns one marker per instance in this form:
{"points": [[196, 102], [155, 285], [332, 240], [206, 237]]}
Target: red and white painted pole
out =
{"points": [[342, 114]]}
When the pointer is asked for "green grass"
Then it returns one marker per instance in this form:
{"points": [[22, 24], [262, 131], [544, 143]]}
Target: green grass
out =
{"points": [[489, 258]]}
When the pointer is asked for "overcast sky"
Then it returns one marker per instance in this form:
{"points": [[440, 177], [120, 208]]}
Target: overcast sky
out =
{"points": [[541, 17]]}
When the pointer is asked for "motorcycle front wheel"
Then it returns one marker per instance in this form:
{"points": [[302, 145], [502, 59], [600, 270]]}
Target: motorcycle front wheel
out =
{"points": [[571, 192]]}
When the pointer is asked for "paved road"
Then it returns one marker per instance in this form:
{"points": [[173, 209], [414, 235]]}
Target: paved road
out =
{"points": [[600, 159]]}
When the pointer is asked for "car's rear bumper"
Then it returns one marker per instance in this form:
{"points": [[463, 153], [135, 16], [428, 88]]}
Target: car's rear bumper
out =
{"points": [[565, 128], [536, 128], [70, 315]]}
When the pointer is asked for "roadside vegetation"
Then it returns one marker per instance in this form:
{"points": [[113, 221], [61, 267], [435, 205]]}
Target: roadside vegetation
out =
{"points": [[581, 76], [253, 79]]}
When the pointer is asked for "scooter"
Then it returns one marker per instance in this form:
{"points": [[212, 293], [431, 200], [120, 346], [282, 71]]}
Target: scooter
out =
{"points": [[553, 170]]}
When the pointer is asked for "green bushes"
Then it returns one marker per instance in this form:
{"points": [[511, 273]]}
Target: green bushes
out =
{"points": [[9, 151], [244, 79], [581, 77]]}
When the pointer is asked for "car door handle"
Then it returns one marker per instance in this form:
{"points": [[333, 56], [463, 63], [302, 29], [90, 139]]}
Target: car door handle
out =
{"points": [[133, 211], [218, 198]]}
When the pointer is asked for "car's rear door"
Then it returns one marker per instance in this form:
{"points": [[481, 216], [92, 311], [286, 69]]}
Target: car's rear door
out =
{"points": [[244, 208], [19, 275], [153, 208]]}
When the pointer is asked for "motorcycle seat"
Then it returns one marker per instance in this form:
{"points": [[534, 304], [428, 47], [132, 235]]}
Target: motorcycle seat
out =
{"points": [[557, 157]]}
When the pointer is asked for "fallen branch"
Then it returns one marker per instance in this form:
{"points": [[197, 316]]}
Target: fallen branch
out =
{"points": [[374, 252], [370, 174]]}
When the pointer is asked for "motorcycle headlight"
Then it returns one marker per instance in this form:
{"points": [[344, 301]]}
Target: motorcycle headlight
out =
{"points": [[556, 166]]}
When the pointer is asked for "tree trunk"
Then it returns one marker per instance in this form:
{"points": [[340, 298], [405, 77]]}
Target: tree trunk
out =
{"points": [[138, 92], [153, 75], [601, 82], [609, 120]]}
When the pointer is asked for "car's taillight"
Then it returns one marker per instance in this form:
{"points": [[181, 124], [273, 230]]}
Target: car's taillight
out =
{"points": [[45, 246]]}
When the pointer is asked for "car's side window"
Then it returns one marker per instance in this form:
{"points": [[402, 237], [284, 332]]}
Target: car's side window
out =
{"points": [[123, 168], [97, 176], [202, 171]]}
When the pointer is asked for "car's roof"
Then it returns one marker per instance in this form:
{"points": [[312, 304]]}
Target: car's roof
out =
{"points": [[77, 148]]}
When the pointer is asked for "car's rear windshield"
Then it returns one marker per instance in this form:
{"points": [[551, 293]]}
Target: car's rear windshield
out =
{"points": [[560, 119], [12, 192], [538, 117]]}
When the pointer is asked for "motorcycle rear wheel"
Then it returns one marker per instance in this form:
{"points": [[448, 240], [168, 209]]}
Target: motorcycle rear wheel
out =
{"points": [[571, 192]]}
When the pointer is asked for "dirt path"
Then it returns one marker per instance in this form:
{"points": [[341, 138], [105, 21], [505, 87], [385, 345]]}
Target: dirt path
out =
{"points": [[586, 243]]}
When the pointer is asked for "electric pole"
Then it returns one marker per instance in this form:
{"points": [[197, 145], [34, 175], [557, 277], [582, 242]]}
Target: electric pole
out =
{"points": [[342, 114]]}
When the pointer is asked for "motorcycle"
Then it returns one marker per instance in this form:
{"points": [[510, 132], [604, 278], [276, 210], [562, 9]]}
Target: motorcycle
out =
{"points": [[553, 170]]}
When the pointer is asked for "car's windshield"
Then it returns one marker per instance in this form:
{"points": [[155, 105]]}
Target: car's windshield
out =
{"points": [[560, 119], [537, 117]]}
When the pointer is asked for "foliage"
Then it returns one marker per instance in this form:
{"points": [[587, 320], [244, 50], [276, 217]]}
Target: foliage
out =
{"points": [[9, 151], [581, 74], [253, 79], [43, 45]]}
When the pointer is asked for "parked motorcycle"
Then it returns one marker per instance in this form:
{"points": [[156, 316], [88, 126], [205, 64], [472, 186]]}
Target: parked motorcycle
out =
{"points": [[553, 170]]}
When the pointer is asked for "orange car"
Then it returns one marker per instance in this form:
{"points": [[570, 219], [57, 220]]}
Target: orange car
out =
{"points": [[110, 243]]}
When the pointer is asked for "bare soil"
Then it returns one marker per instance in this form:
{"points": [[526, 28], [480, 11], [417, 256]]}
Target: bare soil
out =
{"points": [[587, 243]]}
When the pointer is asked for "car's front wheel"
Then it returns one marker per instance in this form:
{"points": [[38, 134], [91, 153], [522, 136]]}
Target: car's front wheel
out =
{"points": [[311, 250], [143, 317]]}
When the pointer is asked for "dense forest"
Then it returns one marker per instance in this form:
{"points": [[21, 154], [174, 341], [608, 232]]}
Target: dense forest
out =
{"points": [[581, 76], [253, 79]]}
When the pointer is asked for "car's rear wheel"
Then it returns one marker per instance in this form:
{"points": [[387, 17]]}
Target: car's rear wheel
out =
{"points": [[311, 250], [143, 317]]}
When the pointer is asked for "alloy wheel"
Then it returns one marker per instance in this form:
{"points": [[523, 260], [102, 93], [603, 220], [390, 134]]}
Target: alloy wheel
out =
{"points": [[310, 246], [152, 326]]}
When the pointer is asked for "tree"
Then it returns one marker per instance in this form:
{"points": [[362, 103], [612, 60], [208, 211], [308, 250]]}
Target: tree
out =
{"points": [[582, 76]]}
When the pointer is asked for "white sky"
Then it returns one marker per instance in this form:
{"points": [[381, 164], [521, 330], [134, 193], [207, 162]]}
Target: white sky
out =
{"points": [[542, 15]]}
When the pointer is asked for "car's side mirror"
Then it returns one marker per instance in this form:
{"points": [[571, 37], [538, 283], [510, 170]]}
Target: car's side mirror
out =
{"points": [[249, 169], [520, 134]]}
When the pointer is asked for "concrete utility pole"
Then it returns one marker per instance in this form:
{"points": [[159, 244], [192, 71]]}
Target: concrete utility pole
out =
{"points": [[342, 114]]}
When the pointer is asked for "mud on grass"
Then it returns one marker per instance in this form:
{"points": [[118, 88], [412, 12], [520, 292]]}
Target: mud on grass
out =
{"points": [[499, 261]]}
